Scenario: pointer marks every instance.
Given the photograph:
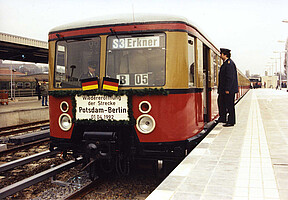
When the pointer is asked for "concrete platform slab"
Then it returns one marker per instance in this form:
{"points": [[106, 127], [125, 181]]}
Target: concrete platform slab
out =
{"points": [[247, 161], [26, 110]]}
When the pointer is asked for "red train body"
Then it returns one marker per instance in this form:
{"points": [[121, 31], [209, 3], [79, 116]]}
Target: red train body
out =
{"points": [[160, 108]]}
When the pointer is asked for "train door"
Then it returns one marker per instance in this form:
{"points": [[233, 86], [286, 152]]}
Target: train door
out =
{"points": [[206, 99], [199, 78]]}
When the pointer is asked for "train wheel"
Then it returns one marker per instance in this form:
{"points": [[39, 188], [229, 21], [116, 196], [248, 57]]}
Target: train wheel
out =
{"points": [[106, 166]]}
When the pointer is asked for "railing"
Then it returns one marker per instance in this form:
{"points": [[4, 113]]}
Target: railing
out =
{"points": [[23, 93]]}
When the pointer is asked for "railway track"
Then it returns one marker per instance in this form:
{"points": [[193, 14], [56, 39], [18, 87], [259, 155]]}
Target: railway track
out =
{"points": [[25, 160], [83, 191], [11, 130], [78, 185], [15, 148], [20, 185], [137, 186], [15, 141]]}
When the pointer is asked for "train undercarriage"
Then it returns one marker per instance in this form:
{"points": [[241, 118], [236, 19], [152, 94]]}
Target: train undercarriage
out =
{"points": [[117, 151]]}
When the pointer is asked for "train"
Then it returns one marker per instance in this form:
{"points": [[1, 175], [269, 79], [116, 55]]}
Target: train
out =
{"points": [[166, 73], [21, 82], [255, 82]]}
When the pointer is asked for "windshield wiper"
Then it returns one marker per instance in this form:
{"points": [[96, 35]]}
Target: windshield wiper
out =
{"points": [[60, 37], [114, 33]]}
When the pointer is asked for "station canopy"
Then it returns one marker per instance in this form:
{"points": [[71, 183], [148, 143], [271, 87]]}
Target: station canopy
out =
{"points": [[23, 49]]}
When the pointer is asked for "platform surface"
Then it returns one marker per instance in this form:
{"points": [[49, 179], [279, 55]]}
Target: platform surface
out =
{"points": [[246, 161], [23, 110], [22, 103]]}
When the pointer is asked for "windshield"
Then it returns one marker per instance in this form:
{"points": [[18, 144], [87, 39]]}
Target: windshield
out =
{"points": [[76, 60], [137, 60]]}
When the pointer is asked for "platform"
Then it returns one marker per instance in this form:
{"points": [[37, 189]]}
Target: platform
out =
{"points": [[247, 161], [23, 110]]}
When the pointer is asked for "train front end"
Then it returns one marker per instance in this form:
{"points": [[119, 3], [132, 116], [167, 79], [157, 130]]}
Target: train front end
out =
{"points": [[120, 92]]}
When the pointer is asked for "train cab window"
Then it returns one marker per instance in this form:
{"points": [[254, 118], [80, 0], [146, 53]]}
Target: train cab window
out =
{"points": [[191, 61], [136, 60], [76, 60]]}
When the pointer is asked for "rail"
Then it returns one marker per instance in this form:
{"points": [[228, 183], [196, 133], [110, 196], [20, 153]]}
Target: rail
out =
{"points": [[16, 187], [23, 146], [79, 194], [4, 131], [28, 159]]}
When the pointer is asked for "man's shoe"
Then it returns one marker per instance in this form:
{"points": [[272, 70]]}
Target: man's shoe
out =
{"points": [[227, 125]]}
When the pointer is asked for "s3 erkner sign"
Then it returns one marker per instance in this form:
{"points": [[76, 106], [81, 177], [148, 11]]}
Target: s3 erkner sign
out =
{"points": [[100, 107], [136, 42]]}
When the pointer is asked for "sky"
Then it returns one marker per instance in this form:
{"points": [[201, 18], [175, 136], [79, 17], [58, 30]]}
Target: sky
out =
{"points": [[252, 29]]}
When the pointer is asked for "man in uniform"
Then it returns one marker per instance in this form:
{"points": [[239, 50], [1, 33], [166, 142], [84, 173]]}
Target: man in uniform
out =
{"points": [[227, 87], [93, 71]]}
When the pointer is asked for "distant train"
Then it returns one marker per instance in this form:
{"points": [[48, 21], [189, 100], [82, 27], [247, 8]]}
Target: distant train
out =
{"points": [[255, 82], [168, 74], [21, 82]]}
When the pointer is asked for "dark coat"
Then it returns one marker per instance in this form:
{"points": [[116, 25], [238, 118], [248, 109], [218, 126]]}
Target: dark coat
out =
{"points": [[86, 76], [38, 88], [44, 89], [228, 80]]}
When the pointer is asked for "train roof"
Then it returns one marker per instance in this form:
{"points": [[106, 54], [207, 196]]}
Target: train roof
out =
{"points": [[28, 78], [121, 19], [137, 18]]}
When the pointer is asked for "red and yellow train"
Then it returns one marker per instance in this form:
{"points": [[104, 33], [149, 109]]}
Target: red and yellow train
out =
{"points": [[168, 74]]}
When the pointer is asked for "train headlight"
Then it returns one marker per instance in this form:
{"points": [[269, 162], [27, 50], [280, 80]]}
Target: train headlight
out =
{"points": [[145, 124], [64, 106], [65, 122], [145, 107]]}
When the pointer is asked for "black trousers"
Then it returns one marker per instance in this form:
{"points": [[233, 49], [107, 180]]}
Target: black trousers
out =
{"points": [[226, 106]]}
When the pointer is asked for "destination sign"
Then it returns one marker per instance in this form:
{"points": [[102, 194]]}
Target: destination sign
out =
{"points": [[136, 42], [100, 107]]}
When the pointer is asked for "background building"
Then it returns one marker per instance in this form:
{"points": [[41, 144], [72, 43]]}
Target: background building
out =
{"points": [[269, 81]]}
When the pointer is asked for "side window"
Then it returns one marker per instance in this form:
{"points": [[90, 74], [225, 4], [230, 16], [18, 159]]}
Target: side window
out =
{"points": [[27, 85], [191, 61], [218, 67], [19, 85], [199, 64], [214, 80]]}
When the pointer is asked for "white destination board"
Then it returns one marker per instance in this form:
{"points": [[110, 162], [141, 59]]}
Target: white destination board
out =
{"points": [[99, 107], [136, 42]]}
